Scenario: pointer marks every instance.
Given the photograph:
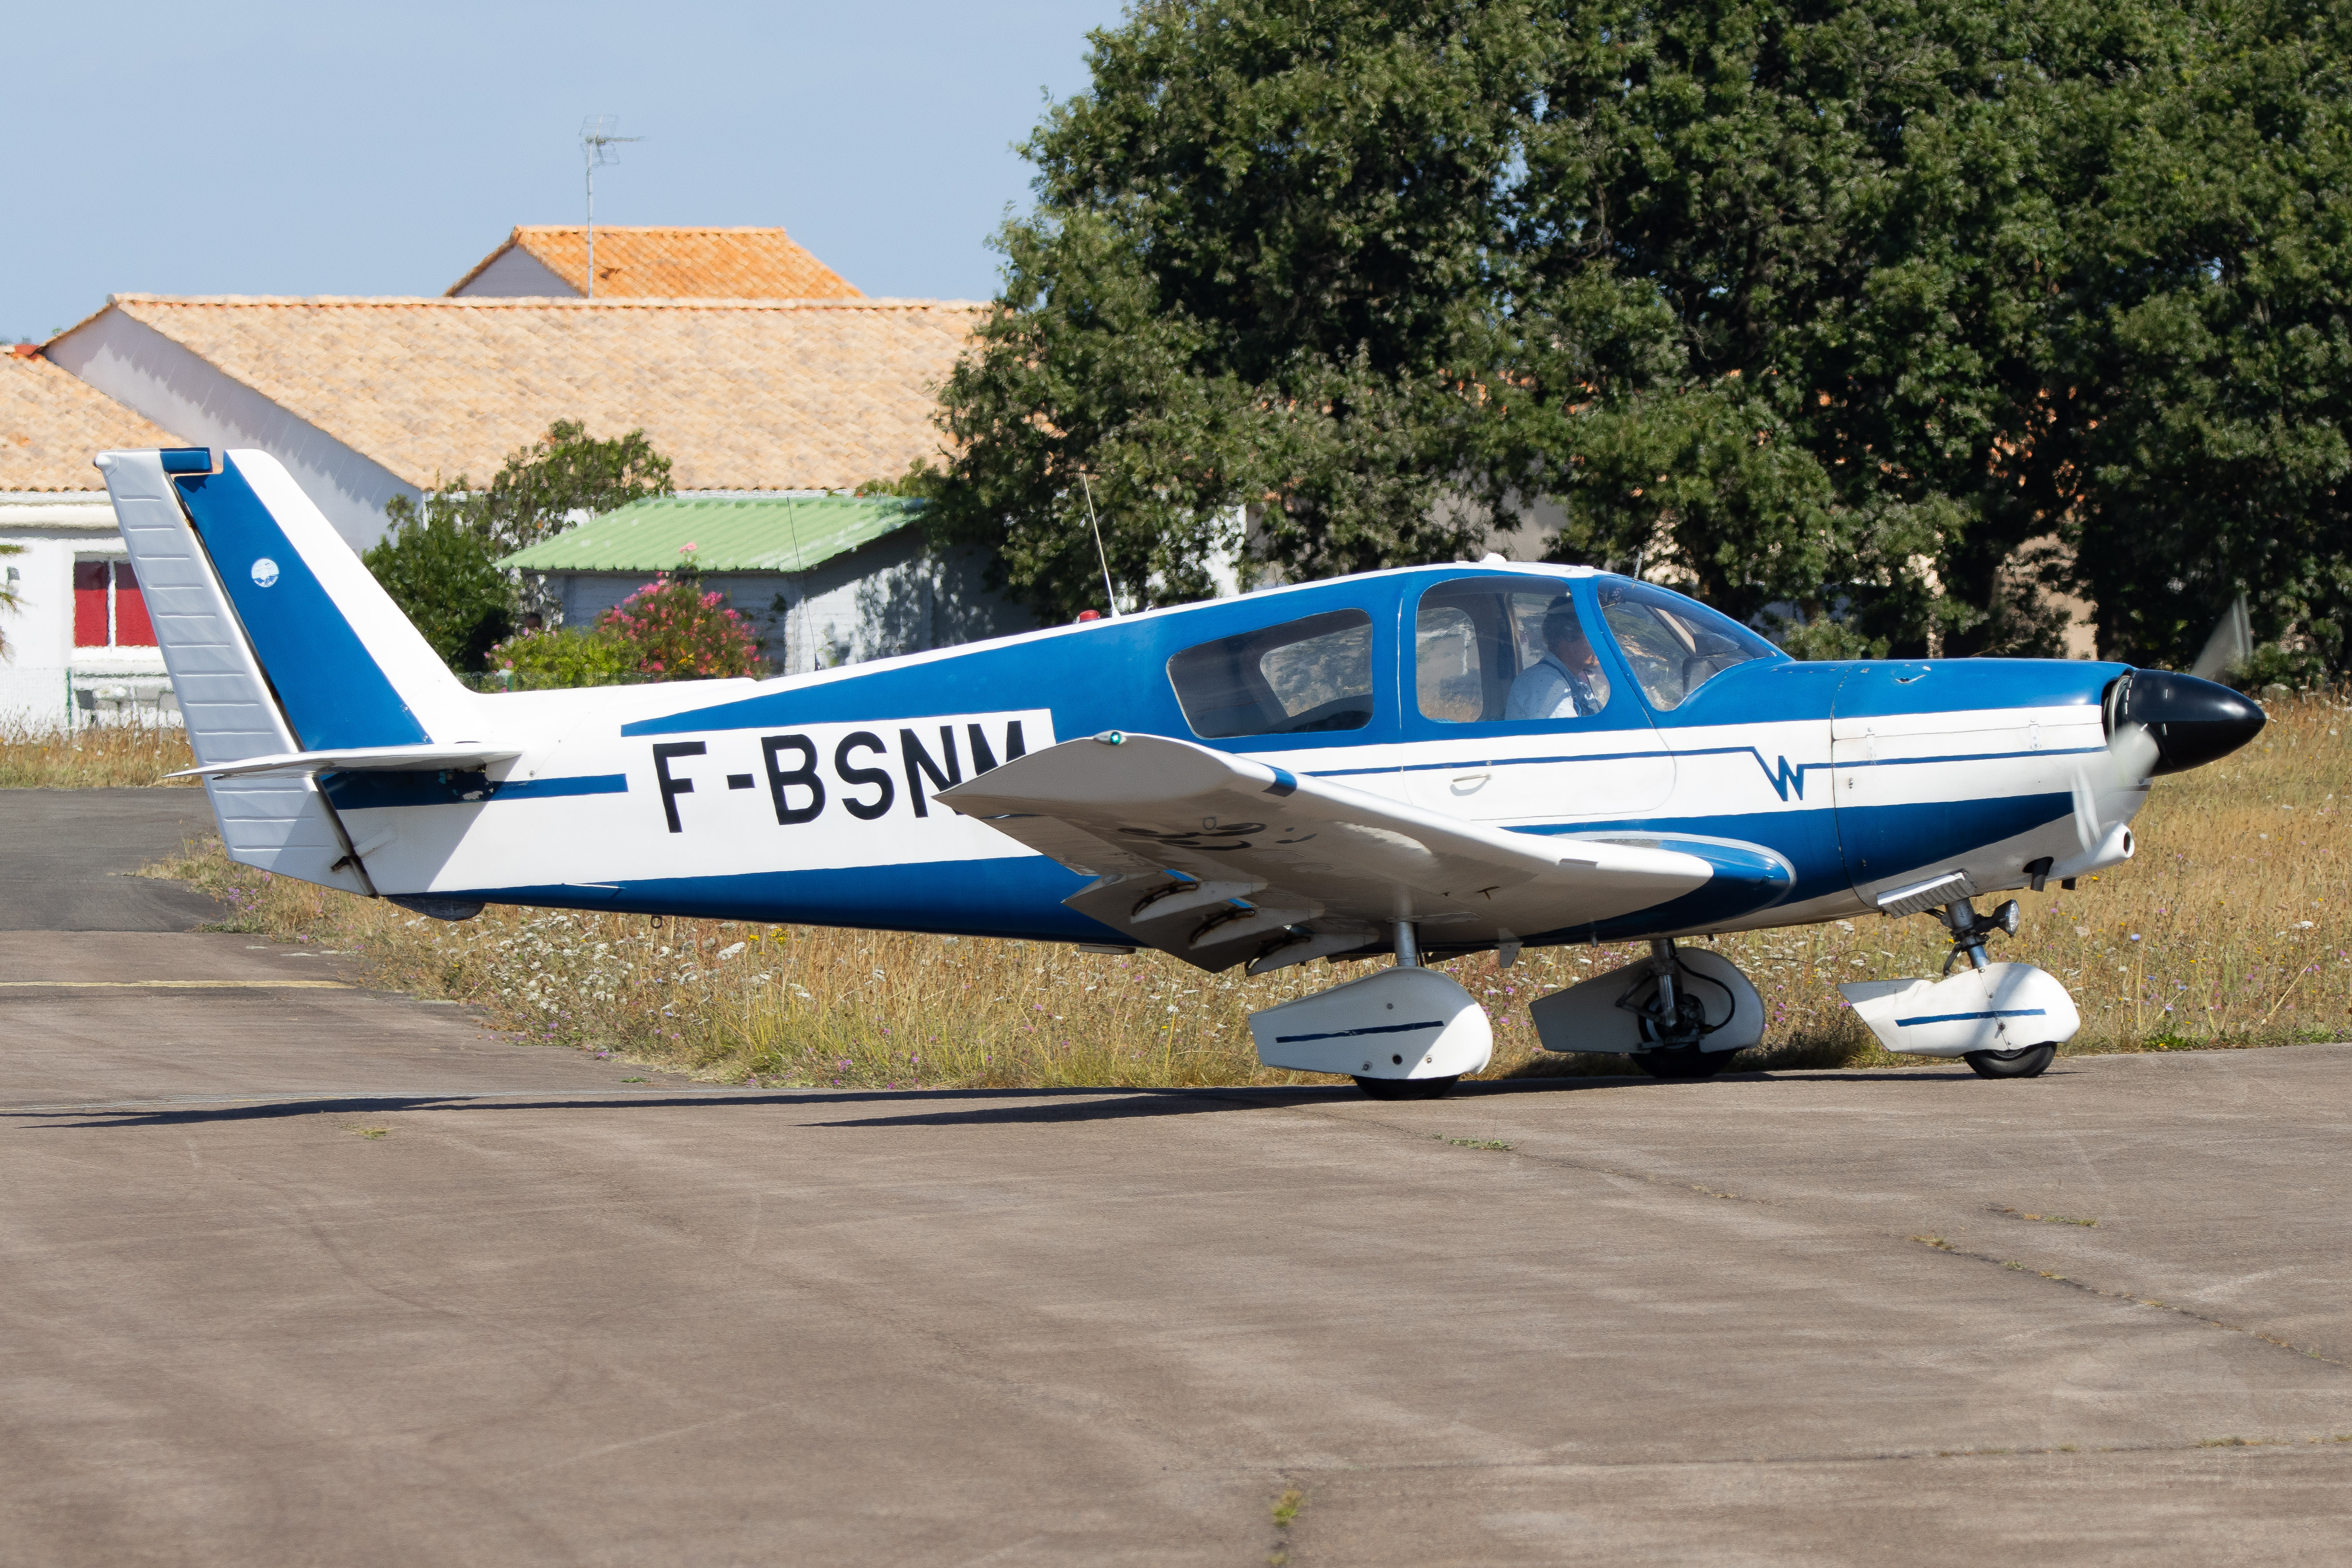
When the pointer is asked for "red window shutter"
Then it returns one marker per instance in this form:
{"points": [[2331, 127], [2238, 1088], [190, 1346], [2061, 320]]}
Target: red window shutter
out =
{"points": [[89, 605], [132, 626]]}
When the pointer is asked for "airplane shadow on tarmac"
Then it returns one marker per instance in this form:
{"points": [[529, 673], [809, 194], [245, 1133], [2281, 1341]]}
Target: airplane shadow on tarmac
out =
{"points": [[1011, 1107]]}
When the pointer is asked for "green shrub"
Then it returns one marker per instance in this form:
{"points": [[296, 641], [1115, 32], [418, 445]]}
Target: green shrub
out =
{"points": [[571, 655], [446, 579]]}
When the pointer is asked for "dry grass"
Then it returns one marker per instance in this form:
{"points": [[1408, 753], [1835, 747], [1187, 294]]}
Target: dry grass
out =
{"points": [[2233, 928], [41, 757]]}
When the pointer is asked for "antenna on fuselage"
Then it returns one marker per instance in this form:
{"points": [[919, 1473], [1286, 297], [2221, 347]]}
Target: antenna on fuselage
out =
{"points": [[1110, 593]]}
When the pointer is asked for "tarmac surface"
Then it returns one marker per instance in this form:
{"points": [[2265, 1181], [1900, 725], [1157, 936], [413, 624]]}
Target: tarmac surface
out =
{"points": [[294, 1271], [68, 858]]}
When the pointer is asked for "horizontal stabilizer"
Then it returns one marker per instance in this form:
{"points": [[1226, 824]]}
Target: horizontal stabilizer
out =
{"points": [[363, 759]]}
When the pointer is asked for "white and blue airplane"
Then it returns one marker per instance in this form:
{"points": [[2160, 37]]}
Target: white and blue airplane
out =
{"points": [[1420, 763]]}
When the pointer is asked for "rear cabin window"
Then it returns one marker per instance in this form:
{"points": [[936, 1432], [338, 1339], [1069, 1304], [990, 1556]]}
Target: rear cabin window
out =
{"points": [[1674, 644], [1299, 677]]}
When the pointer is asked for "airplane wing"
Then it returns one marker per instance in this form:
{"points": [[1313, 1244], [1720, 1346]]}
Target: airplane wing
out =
{"points": [[1220, 860]]}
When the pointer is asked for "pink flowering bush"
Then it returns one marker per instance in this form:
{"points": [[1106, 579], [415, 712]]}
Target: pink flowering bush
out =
{"points": [[677, 631]]}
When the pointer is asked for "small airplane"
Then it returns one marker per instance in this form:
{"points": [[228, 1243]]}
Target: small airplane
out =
{"points": [[1421, 763]]}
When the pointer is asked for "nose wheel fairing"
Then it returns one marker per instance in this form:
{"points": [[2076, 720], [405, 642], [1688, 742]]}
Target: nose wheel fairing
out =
{"points": [[2001, 1008]]}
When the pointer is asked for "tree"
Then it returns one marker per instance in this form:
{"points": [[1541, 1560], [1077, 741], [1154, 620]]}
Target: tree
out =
{"points": [[1258, 256], [1903, 310], [545, 488], [2198, 437], [445, 578], [439, 560]]}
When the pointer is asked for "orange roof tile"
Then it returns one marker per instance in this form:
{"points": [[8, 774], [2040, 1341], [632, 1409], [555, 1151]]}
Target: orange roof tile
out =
{"points": [[51, 424], [676, 263], [740, 393]]}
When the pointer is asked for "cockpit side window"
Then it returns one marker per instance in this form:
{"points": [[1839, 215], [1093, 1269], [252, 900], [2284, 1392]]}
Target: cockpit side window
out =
{"points": [[1673, 645], [1299, 677], [1489, 649]]}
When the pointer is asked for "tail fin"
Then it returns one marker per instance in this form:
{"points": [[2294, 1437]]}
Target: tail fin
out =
{"points": [[279, 641], [348, 667]]}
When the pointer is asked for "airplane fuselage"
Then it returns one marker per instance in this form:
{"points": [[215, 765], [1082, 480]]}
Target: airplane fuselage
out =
{"points": [[1810, 787]]}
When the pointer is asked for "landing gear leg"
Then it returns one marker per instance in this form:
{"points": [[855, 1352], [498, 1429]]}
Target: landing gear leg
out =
{"points": [[2005, 1020], [1674, 1020], [1408, 956]]}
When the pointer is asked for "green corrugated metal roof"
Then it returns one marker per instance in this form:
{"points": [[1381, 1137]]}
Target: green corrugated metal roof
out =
{"points": [[764, 535]]}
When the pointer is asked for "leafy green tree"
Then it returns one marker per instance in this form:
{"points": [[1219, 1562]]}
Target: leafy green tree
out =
{"points": [[545, 488], [2197, 435], [444, 577], [1846, 308], [1259, 258], [1771, 297], [439, 560]]}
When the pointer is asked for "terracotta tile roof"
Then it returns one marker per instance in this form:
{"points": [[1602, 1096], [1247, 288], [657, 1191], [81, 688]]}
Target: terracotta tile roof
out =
{"points": [[677, 263], [52, 423], [739, 394]]}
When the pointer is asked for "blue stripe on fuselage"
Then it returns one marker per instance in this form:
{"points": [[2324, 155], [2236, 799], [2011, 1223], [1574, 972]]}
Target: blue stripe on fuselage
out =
{"points": [[373, 790], [1019, 898]]}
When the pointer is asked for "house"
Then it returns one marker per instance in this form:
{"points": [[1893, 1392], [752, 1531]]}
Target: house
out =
{"points": [[825, 580], [78, 645], [364, 399], [550, 262]]}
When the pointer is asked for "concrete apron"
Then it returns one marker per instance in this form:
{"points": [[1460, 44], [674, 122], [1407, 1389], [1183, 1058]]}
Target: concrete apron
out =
{"points": [[546, 1316]]}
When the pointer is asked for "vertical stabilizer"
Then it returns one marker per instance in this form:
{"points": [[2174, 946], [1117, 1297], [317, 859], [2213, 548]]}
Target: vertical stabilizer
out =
{"points": [[347, 667], [280, 825]]}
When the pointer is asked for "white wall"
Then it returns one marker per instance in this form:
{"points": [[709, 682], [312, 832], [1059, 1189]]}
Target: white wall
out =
{"points": [[890, 596], [518, 274], [45, 681], [142, 369]]}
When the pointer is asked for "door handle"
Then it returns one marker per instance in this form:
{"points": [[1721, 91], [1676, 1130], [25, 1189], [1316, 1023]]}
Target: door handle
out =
{"points": [[1469, 784]]}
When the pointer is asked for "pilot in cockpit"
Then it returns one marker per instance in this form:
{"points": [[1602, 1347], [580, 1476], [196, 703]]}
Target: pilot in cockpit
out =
{"points": [[1567, 682]]}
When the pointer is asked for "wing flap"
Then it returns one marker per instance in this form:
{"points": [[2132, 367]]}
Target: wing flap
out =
{"points": [[1145, 813]]}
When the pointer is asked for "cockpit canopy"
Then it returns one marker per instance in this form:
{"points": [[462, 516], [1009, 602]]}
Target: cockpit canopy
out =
{"points": [[1488, 647]]}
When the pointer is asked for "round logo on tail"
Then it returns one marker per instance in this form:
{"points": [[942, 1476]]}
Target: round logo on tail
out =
{"points": [[265, 572]]}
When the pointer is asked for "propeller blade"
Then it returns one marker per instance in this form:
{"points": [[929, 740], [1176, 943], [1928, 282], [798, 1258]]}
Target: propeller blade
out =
{"points": [[2110, 789], [2232, 639]]}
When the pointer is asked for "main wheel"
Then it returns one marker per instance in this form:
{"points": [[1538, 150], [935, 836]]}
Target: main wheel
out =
{"points": [[1682, 1061], [2031, 1062], [1406, 1087]]}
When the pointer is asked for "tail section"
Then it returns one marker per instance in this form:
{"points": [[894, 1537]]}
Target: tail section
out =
{"points": [[348, 667], [279, 643]]}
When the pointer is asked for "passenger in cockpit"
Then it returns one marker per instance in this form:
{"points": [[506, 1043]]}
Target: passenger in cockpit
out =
{"points": [[1567, 682]]}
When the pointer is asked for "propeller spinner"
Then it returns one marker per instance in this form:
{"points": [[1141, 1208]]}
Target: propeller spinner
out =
{"points": [[2157, 722]]}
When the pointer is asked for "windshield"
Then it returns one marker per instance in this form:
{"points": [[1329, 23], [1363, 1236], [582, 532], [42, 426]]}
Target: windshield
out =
{"points": [[1673, 645]]}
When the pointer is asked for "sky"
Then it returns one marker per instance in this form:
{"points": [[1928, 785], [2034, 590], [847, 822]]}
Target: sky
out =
{"points": [[319, 148]]}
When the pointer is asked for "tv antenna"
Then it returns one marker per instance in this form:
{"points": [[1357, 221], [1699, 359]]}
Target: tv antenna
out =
{"points": [[596, 143]]}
